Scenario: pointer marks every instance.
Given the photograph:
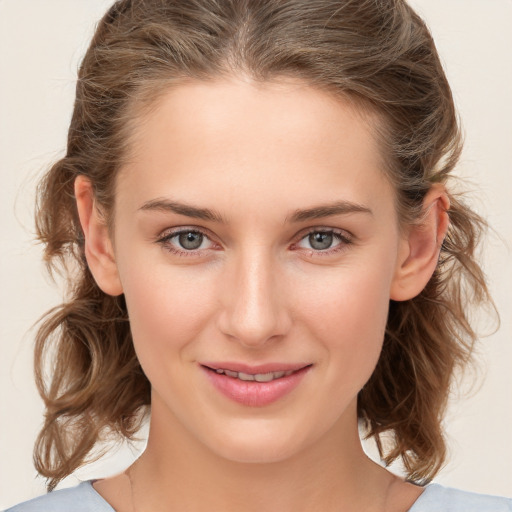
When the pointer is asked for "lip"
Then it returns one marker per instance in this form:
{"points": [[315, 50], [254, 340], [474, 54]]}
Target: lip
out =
{"points": [[253, 393], [260, 368]]}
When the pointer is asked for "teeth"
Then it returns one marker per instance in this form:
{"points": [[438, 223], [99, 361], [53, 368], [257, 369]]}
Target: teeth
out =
{"points": [[258, 377], [246, 376], [267, 377]]}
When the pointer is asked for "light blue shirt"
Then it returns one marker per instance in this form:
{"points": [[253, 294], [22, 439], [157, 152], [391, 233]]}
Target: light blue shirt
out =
{"points": [[435, 498]]}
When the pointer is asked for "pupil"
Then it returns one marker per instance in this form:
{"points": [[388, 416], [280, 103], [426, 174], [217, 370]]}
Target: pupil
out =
{"points": [[191, 240], [320, 241]]}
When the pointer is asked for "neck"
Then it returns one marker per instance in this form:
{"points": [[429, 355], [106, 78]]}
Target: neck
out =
{"points": [[177, 472]]}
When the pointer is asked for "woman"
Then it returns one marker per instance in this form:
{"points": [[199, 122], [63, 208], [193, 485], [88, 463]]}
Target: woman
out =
{"points": [[254, 206]]}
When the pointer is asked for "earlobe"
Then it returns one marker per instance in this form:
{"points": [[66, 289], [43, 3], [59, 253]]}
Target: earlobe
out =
{"points": [[419, 252], [99, 250]]}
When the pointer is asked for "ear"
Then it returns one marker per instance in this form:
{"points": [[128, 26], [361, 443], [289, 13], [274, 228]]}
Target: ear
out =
{"points": [[99, 250], [419, 251]]}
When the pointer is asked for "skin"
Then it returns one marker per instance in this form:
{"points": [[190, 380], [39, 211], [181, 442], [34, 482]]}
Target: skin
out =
{"points": [[257, 291]]}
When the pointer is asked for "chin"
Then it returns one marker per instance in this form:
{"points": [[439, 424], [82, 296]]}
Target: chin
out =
{"points": [[258, 445]]}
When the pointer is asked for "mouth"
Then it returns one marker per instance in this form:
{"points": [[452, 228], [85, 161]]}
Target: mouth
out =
{"points": [[259, 373], [257, 377], [255, 385]]}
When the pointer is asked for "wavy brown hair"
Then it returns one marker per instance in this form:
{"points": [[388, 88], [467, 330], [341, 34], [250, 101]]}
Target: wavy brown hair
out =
{"points": [[379, 54]]}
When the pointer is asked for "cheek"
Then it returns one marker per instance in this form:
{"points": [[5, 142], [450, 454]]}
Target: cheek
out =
{"points": [[167, 307], [353, 297], [348, 317]]}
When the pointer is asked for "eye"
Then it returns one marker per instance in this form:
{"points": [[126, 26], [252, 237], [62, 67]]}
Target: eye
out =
{"points": [[326, 241], [321, 241], [185, 241], [190, 240]]}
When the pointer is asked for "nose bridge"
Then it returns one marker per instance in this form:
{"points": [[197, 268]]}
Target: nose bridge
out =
{"points": [[254, 311]]}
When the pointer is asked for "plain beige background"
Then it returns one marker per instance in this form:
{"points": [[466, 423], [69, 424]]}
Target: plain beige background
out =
{"points": [[41, 42]]}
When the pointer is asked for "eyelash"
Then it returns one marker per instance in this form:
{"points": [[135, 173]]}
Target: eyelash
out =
{"points": [[168, 236], [345, 239]]}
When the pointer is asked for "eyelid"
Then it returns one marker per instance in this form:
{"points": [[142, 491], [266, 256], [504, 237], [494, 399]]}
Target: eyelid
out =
{"points": [[165, 236], [169, 232], [345, 237]]}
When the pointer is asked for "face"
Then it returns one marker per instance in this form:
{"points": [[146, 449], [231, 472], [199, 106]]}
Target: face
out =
{"points": [[255, 232]]}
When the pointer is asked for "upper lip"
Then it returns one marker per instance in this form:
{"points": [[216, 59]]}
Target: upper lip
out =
{"points": [[255, 369]]}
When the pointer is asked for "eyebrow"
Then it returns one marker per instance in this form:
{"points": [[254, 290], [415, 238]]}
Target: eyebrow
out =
{"points": [[316, 212], [164, 205], [326, 210]]}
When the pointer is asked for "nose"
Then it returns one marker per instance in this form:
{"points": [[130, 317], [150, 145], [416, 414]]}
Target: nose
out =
{"points": [[253, 300]]}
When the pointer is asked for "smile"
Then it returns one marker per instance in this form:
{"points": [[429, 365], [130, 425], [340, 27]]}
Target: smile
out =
{"points": [[255, 389], [258, 377]]}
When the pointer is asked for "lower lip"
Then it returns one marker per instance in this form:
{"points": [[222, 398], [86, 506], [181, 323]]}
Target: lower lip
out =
{"points": [[252, 393]]}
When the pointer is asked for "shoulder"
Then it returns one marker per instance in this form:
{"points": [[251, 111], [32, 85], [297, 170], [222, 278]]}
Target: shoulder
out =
{"points": [[436, 498], [81, 498]]}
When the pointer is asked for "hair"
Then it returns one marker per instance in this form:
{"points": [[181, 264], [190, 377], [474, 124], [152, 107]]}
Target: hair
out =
{"points": [[378, 53]]}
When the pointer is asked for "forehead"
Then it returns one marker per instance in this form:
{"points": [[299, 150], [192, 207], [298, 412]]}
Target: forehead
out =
{"points": [[236, 134]]}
